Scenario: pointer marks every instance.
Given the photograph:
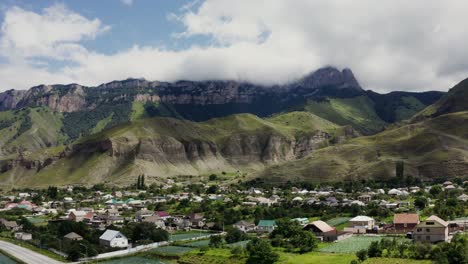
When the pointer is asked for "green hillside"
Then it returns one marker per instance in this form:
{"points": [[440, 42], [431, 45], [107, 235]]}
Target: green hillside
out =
{"points": [[453, 101], [161, 147], [434, 148], [358, 112]]}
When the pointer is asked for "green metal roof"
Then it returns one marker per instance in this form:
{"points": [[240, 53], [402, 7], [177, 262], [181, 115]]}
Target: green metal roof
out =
{"points": [[266, 223]]}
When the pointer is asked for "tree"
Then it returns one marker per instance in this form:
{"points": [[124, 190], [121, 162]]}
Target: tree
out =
{"points": [[361, 255], [399, 169], [138, 182], [213, 177], [420, 202], [435, 190], [234, 235], [52, 192], [216, 241], [305, 241], [260, 252], [142, 182], [374, 250]]}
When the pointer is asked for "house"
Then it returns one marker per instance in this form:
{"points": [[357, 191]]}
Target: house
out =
{"points": [[360, 224], [197, 220], [301, 221], [73, 236], [156, 220], [325, 232], [432, 230], [114, 239], [266, 226], [79, 216], [405, 222], [365, 198], [162, 214], [245, 226], [23, 236], [9, 225], [463, 198], [142, 214]]}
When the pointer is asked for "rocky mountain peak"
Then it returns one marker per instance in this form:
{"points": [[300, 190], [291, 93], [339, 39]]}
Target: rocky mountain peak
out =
{"points": [[330, 76]]}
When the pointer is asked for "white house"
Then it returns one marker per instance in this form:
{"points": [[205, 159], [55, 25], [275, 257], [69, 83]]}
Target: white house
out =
{"points": [[112, 238], [360, 224]]}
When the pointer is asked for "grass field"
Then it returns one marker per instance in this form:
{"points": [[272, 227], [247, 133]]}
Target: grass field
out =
{"points": [[352, 244], [133, 260], [395, 261], [315, 257]]}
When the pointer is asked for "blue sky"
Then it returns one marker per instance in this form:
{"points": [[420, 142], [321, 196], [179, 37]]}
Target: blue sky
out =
{"points": [[144, 22], [389, 44]]}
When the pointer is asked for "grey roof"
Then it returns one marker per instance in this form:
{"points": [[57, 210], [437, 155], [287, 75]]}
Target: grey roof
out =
{"points": [[72, 235], [110, 234]]}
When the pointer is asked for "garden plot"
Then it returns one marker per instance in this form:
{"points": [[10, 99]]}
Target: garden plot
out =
{"points": [[172, 250], [353, 244]]}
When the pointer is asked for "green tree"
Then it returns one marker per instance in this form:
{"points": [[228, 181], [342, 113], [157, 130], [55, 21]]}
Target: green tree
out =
{"points": [[216, 241], [400, 169], [374, 250], [420, 202], [234, 235], [260, 252], [435, 190], [213, 177], [305, 241], [361, 255]]}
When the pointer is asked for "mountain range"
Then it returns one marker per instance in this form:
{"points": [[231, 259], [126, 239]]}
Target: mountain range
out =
{"points": [[322, 127]]}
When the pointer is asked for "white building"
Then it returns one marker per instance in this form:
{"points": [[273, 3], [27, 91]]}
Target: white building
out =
{"points": [[112, 238]]}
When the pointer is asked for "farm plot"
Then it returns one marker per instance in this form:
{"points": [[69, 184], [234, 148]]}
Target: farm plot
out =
{"points": [[196, 244], [172, 250], [338, 221], [188, 235], [353, 244], [133, 260]]}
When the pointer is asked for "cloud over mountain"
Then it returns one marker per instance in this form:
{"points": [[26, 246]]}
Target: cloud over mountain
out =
{"points": [[390, 45]]}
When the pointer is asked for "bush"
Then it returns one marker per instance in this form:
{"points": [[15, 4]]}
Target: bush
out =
{"points": [[361, 255]]}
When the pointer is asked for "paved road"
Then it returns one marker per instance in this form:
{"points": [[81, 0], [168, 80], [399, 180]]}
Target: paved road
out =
{"points": [[26, 255]]}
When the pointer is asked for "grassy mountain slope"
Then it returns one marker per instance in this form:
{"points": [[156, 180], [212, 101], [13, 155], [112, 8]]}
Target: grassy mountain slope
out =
{"points": [[454, 101], [358, 112], [433, 148], [29, 129], [398, 106], [161, 147]]}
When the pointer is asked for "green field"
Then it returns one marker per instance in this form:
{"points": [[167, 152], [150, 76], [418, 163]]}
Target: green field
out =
{"points": [[188, 235], [395, 261], [352, 244], [196, 244], [338, 221], [133, 260], [315, 257], [171, 250]]}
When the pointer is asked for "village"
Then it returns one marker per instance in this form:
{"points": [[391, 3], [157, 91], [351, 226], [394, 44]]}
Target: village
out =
{"points": [[77, 223]]}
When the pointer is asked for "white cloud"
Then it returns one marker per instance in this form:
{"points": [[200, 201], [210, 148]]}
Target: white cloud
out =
{"points": [[389, 44], [127, 2]]}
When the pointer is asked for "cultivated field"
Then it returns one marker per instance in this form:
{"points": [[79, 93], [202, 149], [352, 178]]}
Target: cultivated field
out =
{"points": [[353, 244]]}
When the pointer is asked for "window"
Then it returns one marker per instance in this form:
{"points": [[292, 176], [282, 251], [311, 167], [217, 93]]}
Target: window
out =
{"points": [[429, 223], [419, 230], [428, 230], [428, 238]]}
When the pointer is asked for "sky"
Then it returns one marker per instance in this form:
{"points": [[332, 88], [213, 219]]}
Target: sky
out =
{"points": [[390, 45]]}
